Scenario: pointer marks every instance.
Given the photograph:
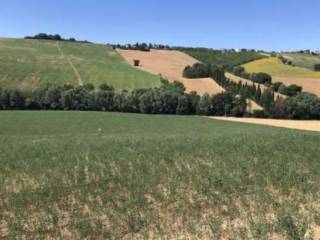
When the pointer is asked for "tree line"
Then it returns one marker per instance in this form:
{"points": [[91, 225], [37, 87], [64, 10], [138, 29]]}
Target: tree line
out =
{"points": [[266, 80], [221, 58], [169, 98], [54, 37], [141, 46]]}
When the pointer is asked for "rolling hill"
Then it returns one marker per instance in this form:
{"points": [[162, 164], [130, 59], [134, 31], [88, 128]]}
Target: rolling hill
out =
{"points": [[30, 63], [170, 64], [303, 60]]}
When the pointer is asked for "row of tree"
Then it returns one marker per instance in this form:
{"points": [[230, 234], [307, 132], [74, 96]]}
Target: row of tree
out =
{"points": [[170, 98], [266, 79], [141, 46], [260, 78], [285, 60], [54, 37]]}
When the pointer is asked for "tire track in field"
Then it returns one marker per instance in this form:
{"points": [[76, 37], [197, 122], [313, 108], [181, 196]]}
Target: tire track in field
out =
{"points": [[75, 70]]}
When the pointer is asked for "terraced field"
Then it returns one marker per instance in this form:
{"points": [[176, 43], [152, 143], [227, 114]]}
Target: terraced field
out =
{"points": [[30, 63]]}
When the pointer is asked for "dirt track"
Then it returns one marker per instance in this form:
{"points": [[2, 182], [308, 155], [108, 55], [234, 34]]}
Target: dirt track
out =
{"points": [[170, 64], [75, 70], [311, 85], [293, 124]]}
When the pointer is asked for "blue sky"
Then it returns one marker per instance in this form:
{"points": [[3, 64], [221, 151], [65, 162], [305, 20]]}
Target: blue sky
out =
{"points": [[259, 24]]}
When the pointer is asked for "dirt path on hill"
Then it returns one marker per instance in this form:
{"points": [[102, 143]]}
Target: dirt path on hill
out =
{"points": [[75, 70], [170, 64], [292, 124]]}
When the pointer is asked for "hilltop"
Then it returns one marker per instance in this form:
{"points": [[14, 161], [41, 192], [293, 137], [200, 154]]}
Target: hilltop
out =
{"points": [[26, 64]]}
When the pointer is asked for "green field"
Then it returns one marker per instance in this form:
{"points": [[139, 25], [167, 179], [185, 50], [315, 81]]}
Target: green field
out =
{"points": [[27, 64], [220, 58], [274, 67], [303, 60], [88, 175]]}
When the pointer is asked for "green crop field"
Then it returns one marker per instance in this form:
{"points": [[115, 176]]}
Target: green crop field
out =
{"points": [[274, 67], [88, 175], [27, 64], [222, 58], [303, 60]]}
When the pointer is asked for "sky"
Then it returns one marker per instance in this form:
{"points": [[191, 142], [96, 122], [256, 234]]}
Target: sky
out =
{"points": [[258, 24]]}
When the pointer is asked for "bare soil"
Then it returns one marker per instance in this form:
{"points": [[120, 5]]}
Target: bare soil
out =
{"points": [[170, 64], [293, 124]]}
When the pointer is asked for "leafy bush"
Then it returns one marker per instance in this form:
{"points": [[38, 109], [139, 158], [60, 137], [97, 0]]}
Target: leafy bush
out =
{"points": [[198, 70], [317, 67], [290, 90], [261, 78], [303, 106]]}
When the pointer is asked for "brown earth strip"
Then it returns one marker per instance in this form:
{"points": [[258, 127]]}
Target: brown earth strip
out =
{"points": [[292, 124]]}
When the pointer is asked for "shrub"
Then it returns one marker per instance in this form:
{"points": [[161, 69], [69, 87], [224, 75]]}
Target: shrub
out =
{"points": [[317, 67], [136, 63], [303, 106], [291, 90], [198, 70], [261, 78]]}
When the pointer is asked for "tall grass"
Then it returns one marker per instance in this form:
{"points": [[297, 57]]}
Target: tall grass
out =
{"points": [[111, 176]]}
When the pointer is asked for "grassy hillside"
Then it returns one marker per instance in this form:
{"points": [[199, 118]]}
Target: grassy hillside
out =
{"points": [[106, 175], [274, 67], [29, 63], [222, 58], [303, 60]]}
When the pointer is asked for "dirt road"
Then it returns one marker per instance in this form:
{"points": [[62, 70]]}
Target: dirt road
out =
{"points": [[293, 124]]}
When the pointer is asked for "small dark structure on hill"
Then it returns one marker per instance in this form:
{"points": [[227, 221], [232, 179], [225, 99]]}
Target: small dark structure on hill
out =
{"points": [[136, 63]]}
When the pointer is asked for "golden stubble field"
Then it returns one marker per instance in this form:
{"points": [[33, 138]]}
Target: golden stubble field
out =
{"points": [[170, 64]]}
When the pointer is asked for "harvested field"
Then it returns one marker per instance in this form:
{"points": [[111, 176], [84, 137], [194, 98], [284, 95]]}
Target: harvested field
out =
{"points": [[311, 85], [293, 124], [170, 64]]}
